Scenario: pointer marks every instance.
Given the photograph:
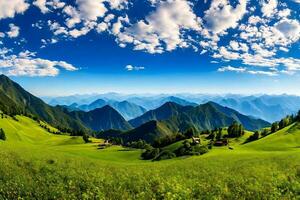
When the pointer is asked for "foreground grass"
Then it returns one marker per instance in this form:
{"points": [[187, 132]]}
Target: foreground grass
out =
{"points": [[61, 167]]}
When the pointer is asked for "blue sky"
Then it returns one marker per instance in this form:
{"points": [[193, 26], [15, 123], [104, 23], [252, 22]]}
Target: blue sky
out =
{"points": [[60, 47]]}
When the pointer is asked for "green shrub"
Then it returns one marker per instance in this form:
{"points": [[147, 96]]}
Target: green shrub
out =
{"points": [[86, 138], [167, 140], [2, 134], [199, 149], [253, 137], [191, 149], [150, 153], [140, 144], [164, 155]]}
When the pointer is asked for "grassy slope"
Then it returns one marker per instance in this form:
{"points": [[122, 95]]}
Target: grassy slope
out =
{"points": [[40, 165]]}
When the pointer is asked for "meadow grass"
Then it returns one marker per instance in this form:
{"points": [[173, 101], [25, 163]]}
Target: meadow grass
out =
{"points": [[35, 164]]}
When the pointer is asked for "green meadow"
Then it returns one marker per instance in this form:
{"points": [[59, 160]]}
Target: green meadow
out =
{"points": [[35, 164]]}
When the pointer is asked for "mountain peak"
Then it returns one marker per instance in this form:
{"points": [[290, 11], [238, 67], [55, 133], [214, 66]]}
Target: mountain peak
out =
{"points": [[104, 108], [170, 104]]}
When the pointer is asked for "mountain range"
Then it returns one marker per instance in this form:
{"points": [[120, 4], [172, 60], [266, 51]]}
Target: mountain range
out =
{"points": [[174, 115], [206, 116], [267, 107], [127, 109], [172, 118]]}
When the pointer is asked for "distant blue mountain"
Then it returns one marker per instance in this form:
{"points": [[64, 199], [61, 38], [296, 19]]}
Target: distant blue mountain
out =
{"points": [[268, 107], [151, 103], [127, 109]]}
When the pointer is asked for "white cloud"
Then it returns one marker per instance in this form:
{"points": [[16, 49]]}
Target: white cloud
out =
{"points": [[56, 4], [91, 9], [267, 73], [14, 31], [232, 69], [8, 8], [41, 4], [134, 68], [222, 16], [289, 28], [269, 7], [163, 29], [116, 28], [25, 64], [44, 5], [236, 46], [118, 4], [245, 70]]}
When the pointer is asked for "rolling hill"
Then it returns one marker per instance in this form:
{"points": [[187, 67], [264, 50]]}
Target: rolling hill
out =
{"points": [[148, 132]]}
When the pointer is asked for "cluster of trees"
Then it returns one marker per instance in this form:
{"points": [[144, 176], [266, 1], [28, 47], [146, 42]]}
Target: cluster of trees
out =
{"points": [[187, 148], [49, 130], [140, 144], [215, 134], [2, 134], [64, 130], [116, 141], [288, 120], [235, 130], [218, 138], [276, 126], [167, 140], [170, 139], [11, 109]]}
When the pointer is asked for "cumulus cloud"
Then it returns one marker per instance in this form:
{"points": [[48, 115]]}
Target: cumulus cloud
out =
{"points": [[41, 4], [26, 64], [8, 8], [163, 29], [134, 68], [91, 9], [269, 7], [118, 4], [46, 5], [222, 16], [289, 28], [14, 31]]}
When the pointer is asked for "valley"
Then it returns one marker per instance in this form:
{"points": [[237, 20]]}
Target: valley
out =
{"points": [[46, 158]]}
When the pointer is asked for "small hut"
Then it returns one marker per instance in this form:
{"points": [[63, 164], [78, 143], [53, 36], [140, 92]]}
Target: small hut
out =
{"points": [[196, 140]]}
